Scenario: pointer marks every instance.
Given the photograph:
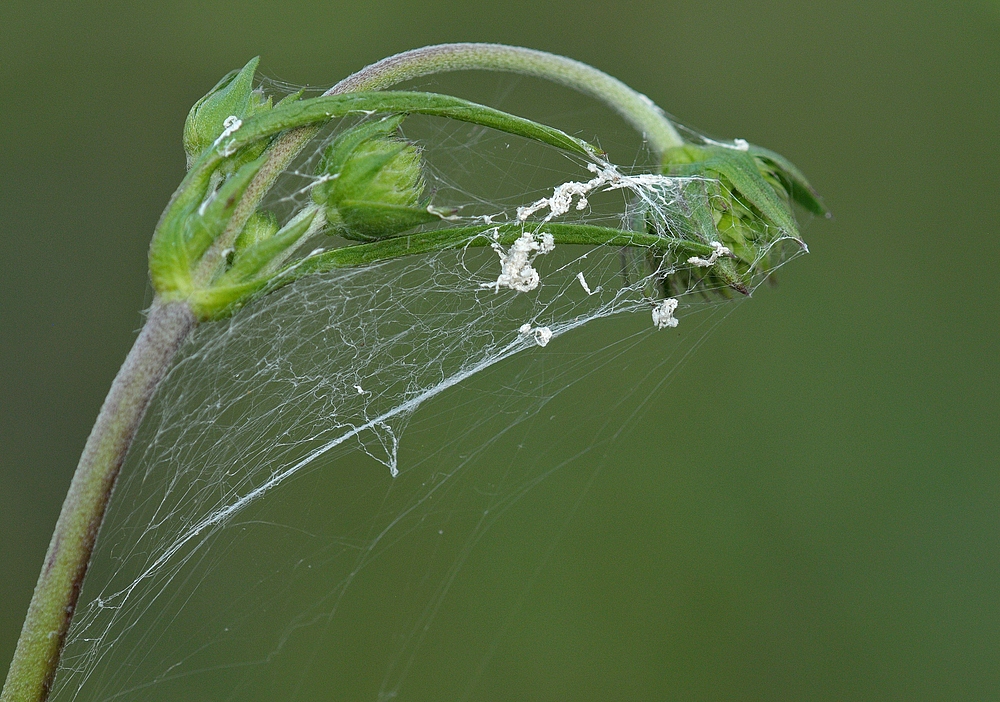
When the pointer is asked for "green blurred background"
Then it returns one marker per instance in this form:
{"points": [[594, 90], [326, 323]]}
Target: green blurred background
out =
{"points": [[809, 510]]}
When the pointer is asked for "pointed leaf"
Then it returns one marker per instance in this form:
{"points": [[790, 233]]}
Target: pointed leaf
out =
{"points": [[483, 235], [322, 109]]}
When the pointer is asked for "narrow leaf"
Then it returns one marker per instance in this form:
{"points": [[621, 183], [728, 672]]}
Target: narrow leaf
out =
{"points": [[483, 235], [322, 109]]}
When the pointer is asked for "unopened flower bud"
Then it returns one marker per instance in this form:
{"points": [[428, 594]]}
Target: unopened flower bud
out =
{"points": [[372, 183], [260, 226], [739, 198], [232, 101]]}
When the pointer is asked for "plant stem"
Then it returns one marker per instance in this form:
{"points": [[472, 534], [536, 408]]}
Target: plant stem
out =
{"points": [[51, 610], [635, 107], [641, 112]]}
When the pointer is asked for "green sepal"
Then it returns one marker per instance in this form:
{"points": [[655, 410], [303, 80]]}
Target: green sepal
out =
{"points": [[220, 301], [192, 222], [741, 198], [740, 174], [252, 271], [375, 183], [336, 156], [372, 174], [371, 221], [791, 178], [208, 221], [169, 259]]}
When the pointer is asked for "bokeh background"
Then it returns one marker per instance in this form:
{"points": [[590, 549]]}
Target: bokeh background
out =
{"points": [[810, 509]]}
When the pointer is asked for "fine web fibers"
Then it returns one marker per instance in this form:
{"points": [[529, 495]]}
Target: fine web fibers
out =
{"points": [[297, 382]]}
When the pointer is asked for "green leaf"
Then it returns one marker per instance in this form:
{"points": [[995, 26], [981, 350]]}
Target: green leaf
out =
{"points": [[324, 108], [740, 169], [179, 241], [210, 220], [484, 235]]}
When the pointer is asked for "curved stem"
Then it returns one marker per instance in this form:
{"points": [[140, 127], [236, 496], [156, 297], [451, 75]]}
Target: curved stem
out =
{"points": [[641, 112], [635, 107], [51, 610]]}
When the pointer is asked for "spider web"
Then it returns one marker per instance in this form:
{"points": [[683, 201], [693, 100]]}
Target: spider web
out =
{"points": [[313, 482]]}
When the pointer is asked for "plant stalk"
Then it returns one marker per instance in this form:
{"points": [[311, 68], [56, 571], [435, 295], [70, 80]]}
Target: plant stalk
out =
{"points": [[641, 112], [51, 610]]}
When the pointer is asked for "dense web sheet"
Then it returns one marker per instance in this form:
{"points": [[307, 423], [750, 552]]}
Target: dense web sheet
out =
{"points": [[251, 476]]}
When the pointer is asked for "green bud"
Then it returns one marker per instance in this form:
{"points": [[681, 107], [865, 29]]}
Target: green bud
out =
{"points": [[739, 196], [232, 99], [373, 185], [267, 254], [260, 226]]}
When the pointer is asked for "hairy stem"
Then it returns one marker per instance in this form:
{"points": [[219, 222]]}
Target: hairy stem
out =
{"points": [[641, 112], [51, 610], [635, 107]]}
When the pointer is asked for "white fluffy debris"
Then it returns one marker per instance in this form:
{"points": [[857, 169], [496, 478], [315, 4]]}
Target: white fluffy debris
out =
{"points": [[516, 271], [230, 125], [736, 145], [562, 197], [606, 177], [663, 314], [542, 334], [718, 251]]}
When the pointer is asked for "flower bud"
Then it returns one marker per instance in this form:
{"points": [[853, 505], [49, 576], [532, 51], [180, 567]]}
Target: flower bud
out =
{"points": [[228, 104], [740, 198], [372, 183], [260, 226]]}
